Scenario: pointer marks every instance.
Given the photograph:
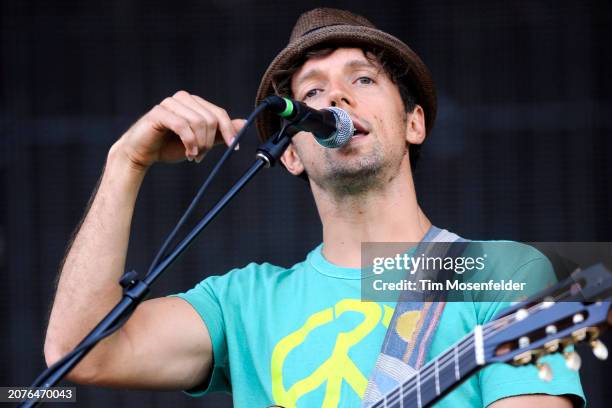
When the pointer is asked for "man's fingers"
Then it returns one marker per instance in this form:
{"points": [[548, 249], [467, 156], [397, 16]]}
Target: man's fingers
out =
{"points": [[198, 123], [212, 120], [226, 132], [163, 117], [196, 120], [238, 124]]}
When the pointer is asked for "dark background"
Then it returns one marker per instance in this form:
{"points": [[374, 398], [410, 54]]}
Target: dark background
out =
{"points": [[519, 150]]}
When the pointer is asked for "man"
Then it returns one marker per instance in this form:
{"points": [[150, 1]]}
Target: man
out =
{"points": [[297, 336]]}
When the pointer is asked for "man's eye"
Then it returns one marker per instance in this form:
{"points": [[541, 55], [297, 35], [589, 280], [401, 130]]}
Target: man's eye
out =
{"points": [[364, 80], [311, 93]]}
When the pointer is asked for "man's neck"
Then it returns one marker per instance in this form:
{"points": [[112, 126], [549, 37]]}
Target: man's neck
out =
{"points": [[387, 214]]}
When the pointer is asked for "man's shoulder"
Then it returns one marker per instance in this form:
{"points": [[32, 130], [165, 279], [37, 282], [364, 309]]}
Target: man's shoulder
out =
{"points": [[512, 254], [510, 260], [253, 274], [507, 251]]}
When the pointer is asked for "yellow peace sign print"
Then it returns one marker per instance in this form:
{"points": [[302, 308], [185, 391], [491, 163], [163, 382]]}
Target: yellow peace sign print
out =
{"points": [[338, 367]]}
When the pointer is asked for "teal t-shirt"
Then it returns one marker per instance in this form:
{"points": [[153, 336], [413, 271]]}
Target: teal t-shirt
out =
{"points": [[301, 336]]}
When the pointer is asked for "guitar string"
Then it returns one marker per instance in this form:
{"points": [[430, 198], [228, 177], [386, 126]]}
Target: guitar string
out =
{"points": [[490, 328], [443, 362], [410, 398], [410, 385], [393, 398], [426, 374]]}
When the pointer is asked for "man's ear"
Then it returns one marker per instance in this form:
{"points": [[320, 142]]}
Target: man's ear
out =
{"points": [[291, 160], [415, 126]]}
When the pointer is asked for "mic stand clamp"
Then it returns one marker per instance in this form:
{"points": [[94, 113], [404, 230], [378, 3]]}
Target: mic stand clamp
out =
{"points": [[133, 287], [272, 149]]}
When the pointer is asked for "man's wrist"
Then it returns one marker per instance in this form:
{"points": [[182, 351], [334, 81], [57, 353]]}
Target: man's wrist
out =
{"points": [[122, 172], [118, 158]]}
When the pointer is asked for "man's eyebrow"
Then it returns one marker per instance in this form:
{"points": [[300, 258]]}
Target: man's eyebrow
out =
{"points": [[360, 64], [353, 64], [309, 74]]}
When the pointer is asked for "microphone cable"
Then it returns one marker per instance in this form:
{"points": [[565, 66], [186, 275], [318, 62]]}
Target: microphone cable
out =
{"points": [[230, 150]]}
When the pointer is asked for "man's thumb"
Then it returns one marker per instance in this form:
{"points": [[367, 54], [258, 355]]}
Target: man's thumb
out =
{"points": [[238, 124]]}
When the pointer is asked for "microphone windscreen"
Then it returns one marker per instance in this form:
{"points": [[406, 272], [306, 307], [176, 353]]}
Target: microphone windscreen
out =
{"points": [[344, 129]]}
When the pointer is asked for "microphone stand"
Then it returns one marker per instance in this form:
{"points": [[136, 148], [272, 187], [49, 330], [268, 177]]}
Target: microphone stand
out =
{"points": [[136, 290]]}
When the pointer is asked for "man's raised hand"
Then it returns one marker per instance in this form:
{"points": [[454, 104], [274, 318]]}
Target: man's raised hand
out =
{"points": [[183, 126]]}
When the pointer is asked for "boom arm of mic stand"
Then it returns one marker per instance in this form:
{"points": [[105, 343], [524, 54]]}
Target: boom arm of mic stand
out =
{"points": [[136, 290]]}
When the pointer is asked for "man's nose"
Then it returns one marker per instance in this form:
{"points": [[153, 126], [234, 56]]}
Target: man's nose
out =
{"points": [[339, 97]]}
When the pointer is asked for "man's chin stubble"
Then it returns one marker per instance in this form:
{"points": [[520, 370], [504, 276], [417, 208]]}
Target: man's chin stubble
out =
{"points": [[348, 180], [358, 178]]}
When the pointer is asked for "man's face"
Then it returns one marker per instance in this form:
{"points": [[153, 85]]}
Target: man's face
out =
{"points": [[347, 79]]}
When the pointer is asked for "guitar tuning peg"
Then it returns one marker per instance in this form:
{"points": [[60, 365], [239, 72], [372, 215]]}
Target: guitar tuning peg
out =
{"points": [[521, 314], [551, 329], [523, 358], [544, 372], [549, 301], [572, 360], [579, 335], [599, 349], [552, 346]]}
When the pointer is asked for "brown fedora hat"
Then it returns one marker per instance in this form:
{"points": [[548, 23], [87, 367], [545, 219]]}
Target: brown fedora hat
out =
{"points": [[340, 27]]}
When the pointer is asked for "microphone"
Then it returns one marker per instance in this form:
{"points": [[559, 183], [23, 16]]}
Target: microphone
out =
{"points": [[332, 127]]}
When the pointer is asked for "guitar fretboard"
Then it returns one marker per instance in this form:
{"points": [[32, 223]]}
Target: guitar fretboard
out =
{"points": [[436, 378]]}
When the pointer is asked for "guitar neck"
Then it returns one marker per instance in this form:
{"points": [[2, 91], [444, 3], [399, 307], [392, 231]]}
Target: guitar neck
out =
{"points": [[439, 376], [573, 311]]}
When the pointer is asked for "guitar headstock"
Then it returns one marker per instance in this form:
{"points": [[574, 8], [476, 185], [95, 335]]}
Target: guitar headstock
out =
{"points": [[571, 312]]}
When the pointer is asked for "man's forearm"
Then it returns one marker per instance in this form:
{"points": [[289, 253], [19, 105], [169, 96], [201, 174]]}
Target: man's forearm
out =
{"points": [[181, 126], [88, 287]]}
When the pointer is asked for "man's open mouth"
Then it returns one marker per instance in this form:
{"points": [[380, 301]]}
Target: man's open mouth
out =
{"points": [[359, 129]]}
